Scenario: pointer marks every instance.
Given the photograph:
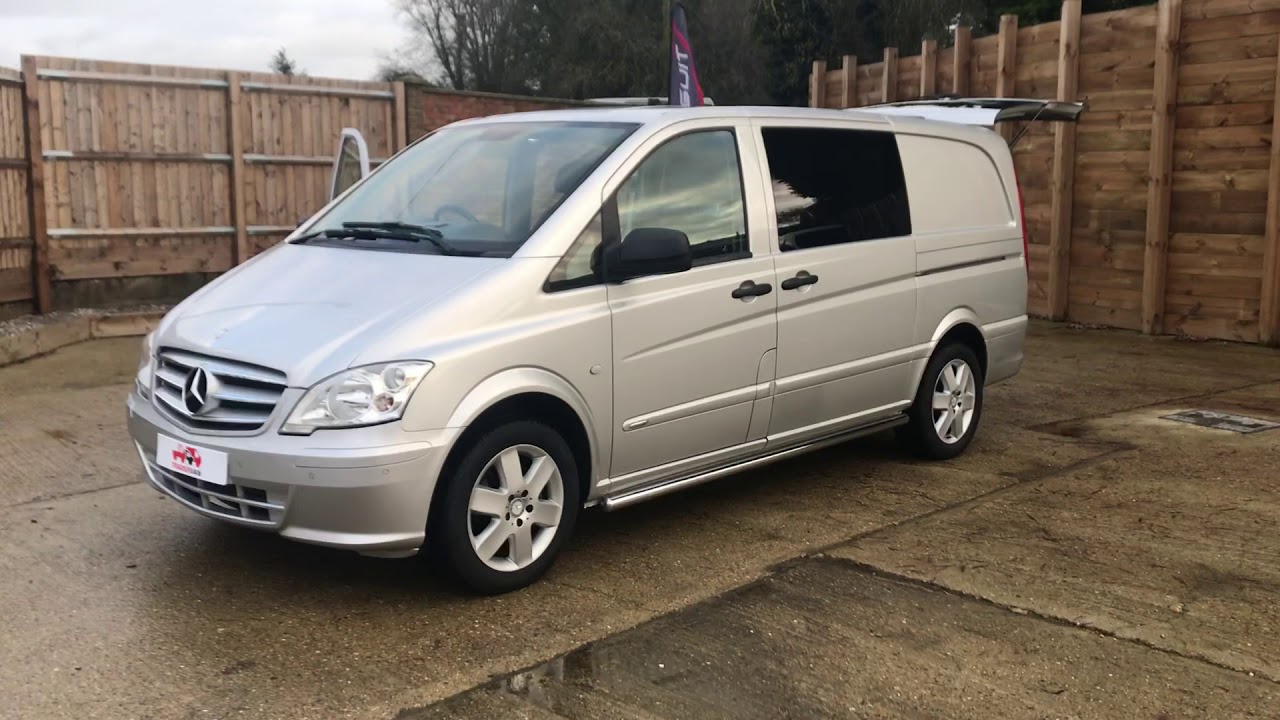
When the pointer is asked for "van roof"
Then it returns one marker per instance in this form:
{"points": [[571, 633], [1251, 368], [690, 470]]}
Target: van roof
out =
{"points": [[655, 116]]}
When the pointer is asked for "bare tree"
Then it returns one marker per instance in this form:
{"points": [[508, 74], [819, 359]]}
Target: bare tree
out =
{"points": [[477, 44]]}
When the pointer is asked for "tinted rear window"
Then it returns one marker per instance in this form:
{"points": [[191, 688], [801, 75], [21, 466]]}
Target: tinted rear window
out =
{"points": [[835, 186]]}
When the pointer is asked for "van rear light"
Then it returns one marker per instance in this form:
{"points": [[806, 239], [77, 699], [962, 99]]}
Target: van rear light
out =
{"points": [[1022, 217]]}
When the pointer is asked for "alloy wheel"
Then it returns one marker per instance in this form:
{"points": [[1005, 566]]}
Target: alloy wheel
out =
{"points": [[515, 508], [954, 401]]}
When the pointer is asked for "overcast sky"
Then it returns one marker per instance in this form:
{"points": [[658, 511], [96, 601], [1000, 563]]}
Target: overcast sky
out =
{"points": [[336, 38]]}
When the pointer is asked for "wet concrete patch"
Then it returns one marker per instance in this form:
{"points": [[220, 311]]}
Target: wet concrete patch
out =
{"points": [[825, 638]]}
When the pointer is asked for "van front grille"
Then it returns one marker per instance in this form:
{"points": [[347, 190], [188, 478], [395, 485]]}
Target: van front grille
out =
{"points": [[241, 502], [208, 393]]}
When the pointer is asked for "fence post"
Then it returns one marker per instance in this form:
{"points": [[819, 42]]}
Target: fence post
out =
{"points": [[960, 61], [235, 146], [400, 111], [1160, 172], [849, 81], [1269, 310], [818, 84], [1006, 64], [928, 68], [1062, 184], [36, 210], [889, 93]]}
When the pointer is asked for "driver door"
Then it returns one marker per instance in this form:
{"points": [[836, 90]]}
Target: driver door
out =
{"points": [[352, 163], [691, 350]]}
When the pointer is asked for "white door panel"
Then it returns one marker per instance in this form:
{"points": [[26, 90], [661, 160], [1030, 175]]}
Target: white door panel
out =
{"points": [[846, 275], [688, 355], [686, 361], [843, 342]]}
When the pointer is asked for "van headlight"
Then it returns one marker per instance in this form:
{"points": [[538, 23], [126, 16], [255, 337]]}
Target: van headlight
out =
{"points": [[354, 398], [143, 379]]}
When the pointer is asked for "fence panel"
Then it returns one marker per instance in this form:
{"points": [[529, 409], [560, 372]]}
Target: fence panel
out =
{"points": [[291, 128], [16, 288], [1222, 151], [1113, 141], [1036, 75], [1216, 273], [143, 174]]}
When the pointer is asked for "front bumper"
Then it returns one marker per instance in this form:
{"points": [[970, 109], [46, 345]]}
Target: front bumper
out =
{"points": [[365, 489]]}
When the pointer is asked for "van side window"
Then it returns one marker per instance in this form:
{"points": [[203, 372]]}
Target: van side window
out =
{"points": [[835, 186], [578, 266], [692, 184]]}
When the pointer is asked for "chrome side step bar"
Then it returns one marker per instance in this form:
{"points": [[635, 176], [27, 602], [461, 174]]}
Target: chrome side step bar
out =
{"points": [[628, 499]]}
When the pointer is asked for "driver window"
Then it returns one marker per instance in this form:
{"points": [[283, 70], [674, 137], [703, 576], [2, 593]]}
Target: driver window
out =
{"points": [[692, 184]]}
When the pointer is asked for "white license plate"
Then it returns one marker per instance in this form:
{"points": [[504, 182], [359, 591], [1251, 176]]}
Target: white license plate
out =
{"points": [[191, 460]]}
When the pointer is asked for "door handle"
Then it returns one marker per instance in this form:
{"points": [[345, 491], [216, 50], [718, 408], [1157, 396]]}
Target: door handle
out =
{"points": [[801, 279], [750, 289]]}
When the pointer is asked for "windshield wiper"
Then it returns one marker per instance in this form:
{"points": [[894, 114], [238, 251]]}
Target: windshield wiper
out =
{"points": [[382, 231], [399, 230]]}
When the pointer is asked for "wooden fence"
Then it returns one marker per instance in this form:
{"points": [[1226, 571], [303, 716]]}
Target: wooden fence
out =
{"points": [[138, 173], [1159, 210], [141, 182], [15, 235]]}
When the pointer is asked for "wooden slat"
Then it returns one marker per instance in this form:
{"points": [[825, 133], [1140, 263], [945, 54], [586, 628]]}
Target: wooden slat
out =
{"points": [[1203, 9], [235, 188], [100, 232], [889, 90], [961, 59], [1160, 175], [818, 84], [928, 68], [128, 257], [849, 81], [1269, 311], [36, 127], [401, 109], [1064, 151], [128, 79], [1006, 65], [310, 89]]}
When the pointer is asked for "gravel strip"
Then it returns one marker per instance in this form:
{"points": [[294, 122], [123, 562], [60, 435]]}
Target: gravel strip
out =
{"points": [[26, 323]]}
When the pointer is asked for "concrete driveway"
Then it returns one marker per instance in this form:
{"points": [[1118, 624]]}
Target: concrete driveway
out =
{"points": [[1085, 559]]}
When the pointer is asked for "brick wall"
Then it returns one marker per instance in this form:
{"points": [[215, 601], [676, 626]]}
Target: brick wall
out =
{"points": [[430, 108]]}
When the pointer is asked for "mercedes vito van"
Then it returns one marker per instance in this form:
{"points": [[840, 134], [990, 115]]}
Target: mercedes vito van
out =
{"points": [[521, 316]]}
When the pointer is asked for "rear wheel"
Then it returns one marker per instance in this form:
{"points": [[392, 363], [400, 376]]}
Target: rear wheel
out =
{"points": [[510, 504], [948, 405]]}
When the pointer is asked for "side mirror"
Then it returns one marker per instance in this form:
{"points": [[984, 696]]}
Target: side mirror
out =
{"points": [[648, 251]]}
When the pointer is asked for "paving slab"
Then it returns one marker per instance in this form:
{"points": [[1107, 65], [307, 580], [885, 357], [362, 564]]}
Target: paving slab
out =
{"points": [[1171, 542], [828, 639]]}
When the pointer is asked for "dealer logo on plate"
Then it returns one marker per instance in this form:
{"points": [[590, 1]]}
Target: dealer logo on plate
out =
{"points": [[186, 459]]}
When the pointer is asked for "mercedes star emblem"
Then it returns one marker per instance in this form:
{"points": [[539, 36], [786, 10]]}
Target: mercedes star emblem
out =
{"points": [[198, 392]]}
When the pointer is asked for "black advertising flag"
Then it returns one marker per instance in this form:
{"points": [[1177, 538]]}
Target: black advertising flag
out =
{"points": [[685, 90]]}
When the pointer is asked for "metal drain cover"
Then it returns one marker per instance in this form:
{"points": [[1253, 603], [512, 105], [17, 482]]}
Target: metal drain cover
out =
{"points": [[1223, 421]]}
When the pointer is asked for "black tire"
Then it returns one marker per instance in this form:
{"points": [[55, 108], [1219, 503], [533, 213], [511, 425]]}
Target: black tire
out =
{"points": [[919, 435], [450, 525]]}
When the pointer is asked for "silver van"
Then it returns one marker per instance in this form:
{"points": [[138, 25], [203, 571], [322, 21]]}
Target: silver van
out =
{"points": [[521, 316]]}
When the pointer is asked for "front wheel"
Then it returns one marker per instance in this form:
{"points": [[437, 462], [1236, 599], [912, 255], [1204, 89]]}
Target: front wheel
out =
{"points": [[510, 504], [948, 405]]}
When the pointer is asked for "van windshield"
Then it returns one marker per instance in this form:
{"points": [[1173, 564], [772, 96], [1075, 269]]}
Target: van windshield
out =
{"points": [[479, 190]]}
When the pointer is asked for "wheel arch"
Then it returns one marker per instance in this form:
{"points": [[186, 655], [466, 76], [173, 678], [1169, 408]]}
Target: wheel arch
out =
{"points": [[963, 325], [531, 394]]}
